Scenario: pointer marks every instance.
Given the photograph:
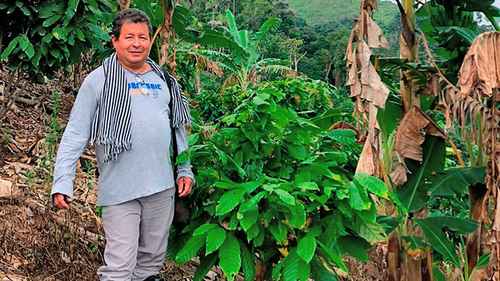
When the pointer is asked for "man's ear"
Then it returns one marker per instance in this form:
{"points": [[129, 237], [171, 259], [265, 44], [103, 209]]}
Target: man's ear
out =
{"points": [[113, 40]]}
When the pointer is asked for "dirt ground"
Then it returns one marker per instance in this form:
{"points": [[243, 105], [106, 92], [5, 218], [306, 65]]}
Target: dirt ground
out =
{"points": [[38, 242]]}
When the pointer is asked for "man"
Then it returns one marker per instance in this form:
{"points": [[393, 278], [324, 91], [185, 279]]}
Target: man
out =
{"points": [[131, 111]]}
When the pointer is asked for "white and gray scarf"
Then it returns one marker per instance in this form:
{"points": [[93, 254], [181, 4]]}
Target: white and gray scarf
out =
{"points": [[111, 126]]}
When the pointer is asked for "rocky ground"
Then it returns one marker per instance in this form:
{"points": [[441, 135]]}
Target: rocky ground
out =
{"points": [[38, 242]]}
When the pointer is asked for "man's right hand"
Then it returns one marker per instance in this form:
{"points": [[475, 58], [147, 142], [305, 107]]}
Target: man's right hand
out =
{"points": [[60, 201]]}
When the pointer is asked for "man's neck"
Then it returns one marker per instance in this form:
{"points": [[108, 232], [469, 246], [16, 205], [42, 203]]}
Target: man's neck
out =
{"points": [[136, 68]]}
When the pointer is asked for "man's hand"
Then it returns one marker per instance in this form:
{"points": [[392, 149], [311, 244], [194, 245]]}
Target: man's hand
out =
{"points": [[60, 201], [184, 186]]}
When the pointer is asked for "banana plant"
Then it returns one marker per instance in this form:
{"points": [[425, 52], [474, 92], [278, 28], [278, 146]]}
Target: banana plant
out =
{"points": [[245, 67]]}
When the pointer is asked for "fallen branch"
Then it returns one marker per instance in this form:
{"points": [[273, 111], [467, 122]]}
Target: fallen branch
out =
{"points": [[19, 99]]}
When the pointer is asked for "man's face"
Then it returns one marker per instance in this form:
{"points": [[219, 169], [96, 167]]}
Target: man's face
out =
{"points": [[133, 45]]}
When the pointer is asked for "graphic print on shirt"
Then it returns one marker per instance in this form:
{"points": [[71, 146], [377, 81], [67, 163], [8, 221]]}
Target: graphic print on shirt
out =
{"points": [[144, 88]]}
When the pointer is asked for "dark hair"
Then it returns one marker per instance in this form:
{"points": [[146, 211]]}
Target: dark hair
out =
{"points": [[129, 16]]}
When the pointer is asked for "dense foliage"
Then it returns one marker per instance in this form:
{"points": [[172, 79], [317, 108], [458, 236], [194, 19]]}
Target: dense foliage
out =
{"points": [[45, 36], [276, 186]]}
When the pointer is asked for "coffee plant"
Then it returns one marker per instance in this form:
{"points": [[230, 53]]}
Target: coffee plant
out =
{"points": [[42, 36], [276, 198]]}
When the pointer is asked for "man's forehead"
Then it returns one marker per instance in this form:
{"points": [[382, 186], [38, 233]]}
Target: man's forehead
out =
{"points": [[134, 28]]}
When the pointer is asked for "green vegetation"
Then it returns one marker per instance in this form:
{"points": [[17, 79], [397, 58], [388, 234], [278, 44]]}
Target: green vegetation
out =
{"points": [[45, 37], [274, 143]]}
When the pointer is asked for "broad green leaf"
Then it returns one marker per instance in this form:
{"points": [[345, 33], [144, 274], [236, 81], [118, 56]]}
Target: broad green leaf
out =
{"points": [[438, 240], [243, 34], [50, 21], [279, 232], [389, 117], [230, 257], [460, 225], [228, 201], [306, 247], [253, 232], [260, 99], [483, 261], [25, 10], [413, 194], [253, 202], [286, 197], [231, 22], [373, 184], [455, 181], [249, 218], [247, 263], [354, 247], [320, 272], [12, 45], [358, 199], [271, 23], [190, 250], [206, 263], [342, 136], [291, 266], [225, 185], [333, 255], [202, 229], [297, 151], [308, 186], [297, 215], [305, 271], [372, 232], [215, 238], [216, 39], [250, 186], [276, 273], [26, 46], [70, 11]]}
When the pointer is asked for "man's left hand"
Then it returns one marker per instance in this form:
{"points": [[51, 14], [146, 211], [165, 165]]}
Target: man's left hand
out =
{"points": [[184, 186]]}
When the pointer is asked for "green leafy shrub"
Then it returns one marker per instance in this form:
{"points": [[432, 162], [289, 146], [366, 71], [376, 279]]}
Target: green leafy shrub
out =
{"points": [[273, 190], [42, 36]]}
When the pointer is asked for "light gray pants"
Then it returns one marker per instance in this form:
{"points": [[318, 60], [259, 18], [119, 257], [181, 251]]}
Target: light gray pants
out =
{"points": [[136, 237]]}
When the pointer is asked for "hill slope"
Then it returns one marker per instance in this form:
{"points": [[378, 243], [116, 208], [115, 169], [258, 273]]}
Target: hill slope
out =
{"points": [[319, 12]]}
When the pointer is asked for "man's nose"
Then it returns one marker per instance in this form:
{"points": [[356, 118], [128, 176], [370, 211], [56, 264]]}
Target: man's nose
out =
{"points": [[136, 42]]}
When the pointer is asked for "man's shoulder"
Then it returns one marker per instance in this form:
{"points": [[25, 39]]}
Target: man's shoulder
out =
{"points": [[94, 80], [96, 74]]}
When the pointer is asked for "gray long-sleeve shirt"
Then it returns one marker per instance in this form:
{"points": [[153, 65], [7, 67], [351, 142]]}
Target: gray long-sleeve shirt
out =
{"points": [[143, 170]]}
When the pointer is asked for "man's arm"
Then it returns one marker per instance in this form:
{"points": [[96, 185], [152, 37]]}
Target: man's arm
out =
{"points": [[73, 142], [185, 177]]}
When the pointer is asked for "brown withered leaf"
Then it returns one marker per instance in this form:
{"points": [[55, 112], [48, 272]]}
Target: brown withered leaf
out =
{"points": [[353, 80], [411, 132], [370, 4], [399, 174], [368, 163], [373, 89], [375, 35], [480, 71]]}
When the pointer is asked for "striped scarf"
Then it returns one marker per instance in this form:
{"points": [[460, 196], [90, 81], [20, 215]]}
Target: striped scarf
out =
{"points": [[111, 126]]}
